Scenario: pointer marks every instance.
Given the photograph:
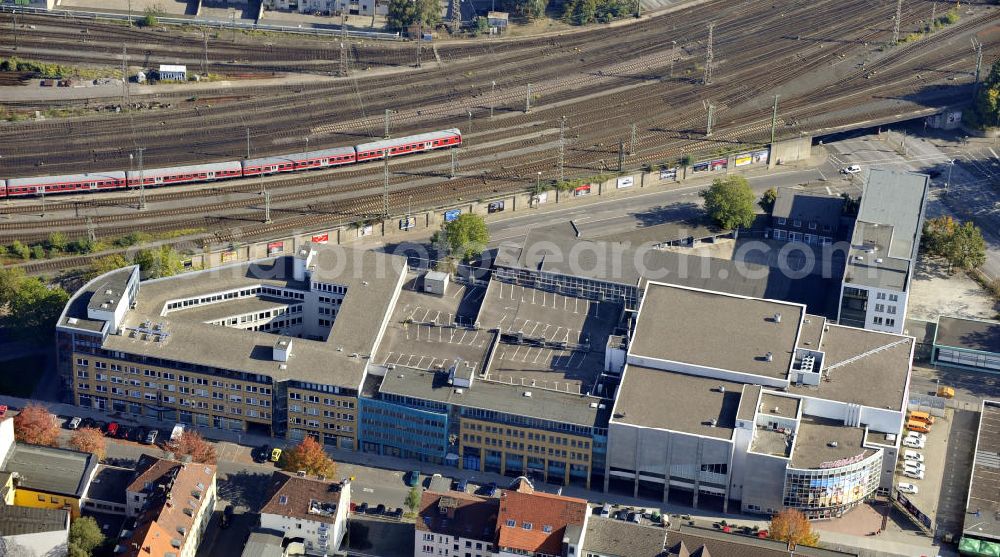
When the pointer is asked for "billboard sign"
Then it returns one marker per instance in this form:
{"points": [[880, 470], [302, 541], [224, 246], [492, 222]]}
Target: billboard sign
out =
{"points": [[452, 215], [542, 197], [743, 159], [321, 238], [700, 166], [229, 255], [719, 163], [582, 190], [365, 230], [668, 173], [495, 207], [760, 156], [407, 223], [626, 182], [275, 247]]}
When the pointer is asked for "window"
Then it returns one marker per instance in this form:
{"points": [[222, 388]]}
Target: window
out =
{"points": [[797, 223], [890, 322], [526, 525], [511, 522], [893, 297], [812, 226]]}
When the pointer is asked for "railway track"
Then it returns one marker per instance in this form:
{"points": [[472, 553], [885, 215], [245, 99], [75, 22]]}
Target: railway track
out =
{"points": [[598, 121]]}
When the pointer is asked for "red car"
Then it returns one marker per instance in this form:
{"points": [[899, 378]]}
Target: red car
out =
{"points": [[112, 429], [3, 411]]}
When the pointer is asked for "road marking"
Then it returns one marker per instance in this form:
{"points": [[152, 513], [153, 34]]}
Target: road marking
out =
{"points": [[828, 192], [995, 155]]}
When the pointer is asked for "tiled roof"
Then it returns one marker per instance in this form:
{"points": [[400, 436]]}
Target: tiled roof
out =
{"points": [[168, 517], [18, 521], [459, 514], [606, 536], [702, 542], [536, 522], [291, 496]]}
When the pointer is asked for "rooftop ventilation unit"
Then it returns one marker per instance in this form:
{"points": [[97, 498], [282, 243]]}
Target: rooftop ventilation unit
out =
{"points": [[776, 410], [721, 388], [769, 357], [832, 444], [777, 318], [712, 422], [527, 393]]}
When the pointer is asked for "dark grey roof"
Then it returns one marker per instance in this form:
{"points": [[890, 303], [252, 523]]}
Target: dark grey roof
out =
{"points": [[51, 470], [720, 544], [264, 543], [825, 210], [109, 484], [982, 514], [19, 521], [971, 334], [619, 538], [542, 404]]}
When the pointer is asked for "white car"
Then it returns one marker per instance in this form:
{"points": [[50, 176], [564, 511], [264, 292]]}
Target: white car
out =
{"points": [[853, 169], [915, 474], [914, 468], [913, 456], [914, 443], [916, 435], [907, 488]]}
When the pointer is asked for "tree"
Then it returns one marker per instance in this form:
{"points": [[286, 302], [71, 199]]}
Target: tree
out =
{"points": [[150, 17], [791, 526], [530, 9], [851, 204], [466, 236], [986, 104], [404, 13], [482, 26], [191, 443], [35, 308], [106, 264], [56, 241], [310, 457], [19, 249], [35, 425], [960, 244], [413, 499], [84, 536], [159, 262], [730, 202], [89, 440], [766, 201], [937, 234]]}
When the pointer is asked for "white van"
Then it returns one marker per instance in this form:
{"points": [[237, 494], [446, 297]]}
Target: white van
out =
{"points": [[913, 456]]}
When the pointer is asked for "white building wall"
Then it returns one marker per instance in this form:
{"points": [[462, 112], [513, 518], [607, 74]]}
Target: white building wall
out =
{"points": [[702, 371], [201, 519], [427, 544], [6, 438]]}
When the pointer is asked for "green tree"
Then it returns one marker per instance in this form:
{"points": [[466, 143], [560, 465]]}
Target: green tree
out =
{"points": [[35, 307], [530, 9], [851, 204], [937, 234], [19, 250], [84, 536], [967, 249], [403, 13], [730, 202], [37, 252], [56, 241], [986, 104], [150, 17], [766, 201], [106, 264], [466, 236], [159, 262], [412, 501], [482, 26]]}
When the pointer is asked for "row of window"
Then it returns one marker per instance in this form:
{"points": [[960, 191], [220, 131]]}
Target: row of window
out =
{"points": [[331, 288], [236, 295], [798, 224], [888, 321], [531, 436]]}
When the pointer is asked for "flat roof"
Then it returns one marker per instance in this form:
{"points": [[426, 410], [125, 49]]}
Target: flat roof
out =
{"points": [[230, 308], [23, 521], [971, 334], [982, 513], [51, 470], [75, 313], [748, 403], [880, 362], [771, 442], [371, 279], [542, 404], [812, 331], [815, 437], [777, 405], [806, 206], [748, 326], [897, 199], [110, 483], [677, 402]]}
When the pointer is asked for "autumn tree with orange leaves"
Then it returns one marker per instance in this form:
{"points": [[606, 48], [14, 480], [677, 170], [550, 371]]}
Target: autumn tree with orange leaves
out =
{"points": [[35, 425], [192, 444], [89, 440], [791, 526], [309, 457]]}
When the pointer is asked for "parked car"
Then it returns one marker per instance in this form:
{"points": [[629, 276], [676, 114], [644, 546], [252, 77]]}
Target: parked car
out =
{"points": [[380, 509], [915, 474], [275, 454], [853, 169], [414, 478], [604, 511], [398, 513], [917, 435], [910, 465], [907, 488], [151, 436], [87, 422], [914, 443], [362, 508], [111, 430], [74, 423], [261, 453], [621, 515], [227, 517], [946, 392], [635, 517], [913, 456], [123, 432], [462, 485], [139, 433]]}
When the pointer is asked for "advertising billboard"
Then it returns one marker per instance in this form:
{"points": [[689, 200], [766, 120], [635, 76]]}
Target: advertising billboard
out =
{"points": [[626, 182], [582, 190], [365, 230], [452, 215], [228, 256], [743, 159], [495, 207], [275, 247], [407, 223], [668, 173], [321, 238]]}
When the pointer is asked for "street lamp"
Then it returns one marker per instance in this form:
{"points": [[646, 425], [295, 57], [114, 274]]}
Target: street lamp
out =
{"points": [[538, 182], [947, 182]]}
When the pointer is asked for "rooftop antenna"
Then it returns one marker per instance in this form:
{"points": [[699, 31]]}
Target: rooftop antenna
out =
{"points": [[562, 149], [709, 55], [673, 56], [633, 141], [343, 45]]}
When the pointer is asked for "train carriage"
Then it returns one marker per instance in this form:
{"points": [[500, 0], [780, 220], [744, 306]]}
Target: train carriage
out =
{"points": [[3, 188], [299, 161], [409, 144], [185, 174], [70, 183]]}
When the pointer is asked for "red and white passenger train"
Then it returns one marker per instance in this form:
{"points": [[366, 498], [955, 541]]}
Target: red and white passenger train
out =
{"points": [[152, 177]]}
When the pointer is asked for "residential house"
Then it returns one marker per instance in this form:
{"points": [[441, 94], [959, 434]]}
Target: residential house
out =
{"points": [[311, 510]]}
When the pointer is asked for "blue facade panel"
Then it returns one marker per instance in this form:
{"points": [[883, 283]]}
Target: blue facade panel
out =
{"points": [[392, 429]]}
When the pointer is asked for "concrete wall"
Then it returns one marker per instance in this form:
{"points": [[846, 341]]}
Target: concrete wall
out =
{"points": [[789, 150], [766, 486], [6, 437]]}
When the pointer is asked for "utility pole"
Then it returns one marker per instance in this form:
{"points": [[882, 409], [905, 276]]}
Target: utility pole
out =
{"points": [[14, 28], [621, 154], [933, 13], [562, 149], [248, 143], [711, 117], [91, 233], [388, 112], [343, 45], [204, 52], [267, 207], [385, 189], [632, 142], [42, 190], [774, 120], [456, 16], [709, 55], [895, 24], [979, 59], [638, 9], [420, 41], [130, 13], [673, 56], [470, 120], [234, 24], [142, 182], [527, 100], [454, 152], [125, 93], [493, 99]]}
